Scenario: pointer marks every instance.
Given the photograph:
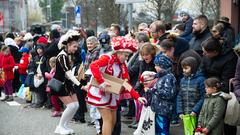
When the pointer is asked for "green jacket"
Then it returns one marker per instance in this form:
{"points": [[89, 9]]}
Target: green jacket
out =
{"points": [[212, 113]]}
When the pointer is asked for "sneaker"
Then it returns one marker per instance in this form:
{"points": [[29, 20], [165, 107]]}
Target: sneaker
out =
{"points": [[28, 101], [32, 105], [37, 106], [15, 94], [62, 131], [174, 123], [90, 123], [82, 120], [5, 98], [56, 114], [10, 98], [69, 129]]}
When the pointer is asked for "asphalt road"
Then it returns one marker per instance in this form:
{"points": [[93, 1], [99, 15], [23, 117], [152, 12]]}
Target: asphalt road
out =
{"points": [[17, 120]]}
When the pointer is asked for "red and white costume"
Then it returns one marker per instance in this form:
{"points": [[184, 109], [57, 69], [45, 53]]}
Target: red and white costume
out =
{"points": [[111, 65]]}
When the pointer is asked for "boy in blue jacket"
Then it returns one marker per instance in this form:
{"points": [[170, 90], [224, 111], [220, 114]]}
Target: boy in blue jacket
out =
{"points": [[192, 90], [163, 93]]}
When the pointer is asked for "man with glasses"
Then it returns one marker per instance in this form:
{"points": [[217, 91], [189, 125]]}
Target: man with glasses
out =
{"points": [[158, 31]]}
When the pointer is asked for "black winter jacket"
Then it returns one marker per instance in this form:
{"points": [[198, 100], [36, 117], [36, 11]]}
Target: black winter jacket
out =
{"points": [[197, 40], [222, 66], [136, 71]]}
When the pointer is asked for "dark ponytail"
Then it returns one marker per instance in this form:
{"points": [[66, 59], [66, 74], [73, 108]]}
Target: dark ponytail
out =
{"points": [[213, 44], [214, 82], [170, 42]]}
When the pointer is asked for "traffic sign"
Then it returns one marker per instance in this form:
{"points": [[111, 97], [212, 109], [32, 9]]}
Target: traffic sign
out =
{"points": [[78, 15], [77, 10]]}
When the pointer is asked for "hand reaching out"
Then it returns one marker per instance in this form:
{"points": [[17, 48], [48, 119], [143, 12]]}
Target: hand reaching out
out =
{"points": [[142, 100]]}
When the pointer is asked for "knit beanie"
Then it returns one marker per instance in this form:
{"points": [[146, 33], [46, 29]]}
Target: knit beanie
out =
{"points": [[147, 76], [42, 40], [163, 61]]}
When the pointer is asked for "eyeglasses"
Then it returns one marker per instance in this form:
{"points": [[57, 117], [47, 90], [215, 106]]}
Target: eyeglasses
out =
{"points": [[155, 32], [214, 31]]}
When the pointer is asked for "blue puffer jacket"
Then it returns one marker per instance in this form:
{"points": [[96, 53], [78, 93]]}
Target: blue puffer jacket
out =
{"points": [[187, 28], [191, 95], [163, 94]]}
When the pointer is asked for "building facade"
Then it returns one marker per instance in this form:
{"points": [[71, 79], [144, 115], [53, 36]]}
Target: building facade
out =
{"points": [[231, 9], [13, 15]]}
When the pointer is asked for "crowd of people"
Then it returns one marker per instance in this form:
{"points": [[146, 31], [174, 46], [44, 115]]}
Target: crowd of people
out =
{"points": [[176, 71]]}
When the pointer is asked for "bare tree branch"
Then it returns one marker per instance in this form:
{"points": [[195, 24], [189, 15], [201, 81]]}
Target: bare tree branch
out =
{"points": [[210, 8]]}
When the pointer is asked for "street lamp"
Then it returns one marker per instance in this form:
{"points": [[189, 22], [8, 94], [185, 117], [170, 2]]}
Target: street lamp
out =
{"points": [[66, 16], [98, 10], [50, 12]]}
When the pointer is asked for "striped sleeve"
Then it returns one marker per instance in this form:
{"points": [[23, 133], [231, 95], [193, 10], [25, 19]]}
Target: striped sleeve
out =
{"points": [[64, 62]]}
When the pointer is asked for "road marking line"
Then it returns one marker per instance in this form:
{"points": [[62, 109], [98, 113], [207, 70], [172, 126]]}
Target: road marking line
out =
{"points": [[13, 103]]}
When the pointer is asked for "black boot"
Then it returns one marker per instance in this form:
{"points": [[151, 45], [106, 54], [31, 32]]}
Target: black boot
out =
{"points": [[5, 98], [10, 98]]}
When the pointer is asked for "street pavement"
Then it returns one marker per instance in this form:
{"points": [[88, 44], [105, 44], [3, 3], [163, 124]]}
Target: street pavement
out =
{"points": [[17, 120]]}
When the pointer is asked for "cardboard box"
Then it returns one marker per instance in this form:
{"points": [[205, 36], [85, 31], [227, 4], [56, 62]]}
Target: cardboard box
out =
{"points": [[117, 84], [80, 72]]}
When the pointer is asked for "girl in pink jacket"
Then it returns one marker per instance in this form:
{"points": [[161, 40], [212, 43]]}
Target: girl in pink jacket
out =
{"points": [[54, 99]]}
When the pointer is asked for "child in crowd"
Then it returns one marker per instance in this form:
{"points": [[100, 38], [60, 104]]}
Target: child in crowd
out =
{"points": [[7, 67], [54, 99], [192, 91], [148, 80], [163, 93], [211, 118], [23, 65], [180, 29], [38, 66], [104, 40], [93, 52]]}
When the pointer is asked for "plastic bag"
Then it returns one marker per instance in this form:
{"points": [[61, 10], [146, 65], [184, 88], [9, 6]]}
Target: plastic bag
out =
{"points": [[190, 123], [146, 125], [22, 92], [28, 94], [232, 116]]}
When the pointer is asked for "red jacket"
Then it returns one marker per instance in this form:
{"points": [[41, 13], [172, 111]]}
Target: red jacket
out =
{"points": [[23, 65], [1, 59], [101, 63], [7, 66]]}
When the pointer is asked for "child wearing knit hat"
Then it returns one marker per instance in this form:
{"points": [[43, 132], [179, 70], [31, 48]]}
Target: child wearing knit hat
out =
{"points": [[162, 93]]}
